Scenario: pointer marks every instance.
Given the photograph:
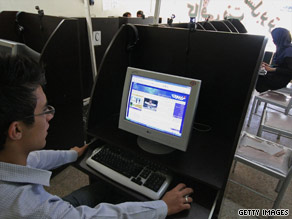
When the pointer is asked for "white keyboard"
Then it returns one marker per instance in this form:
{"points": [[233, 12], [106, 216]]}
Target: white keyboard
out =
{"points": [[262, 72], [131, 171]]}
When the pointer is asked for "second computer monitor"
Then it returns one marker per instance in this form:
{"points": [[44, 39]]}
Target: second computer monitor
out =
{"points": [[159, 108], [8, 47]]}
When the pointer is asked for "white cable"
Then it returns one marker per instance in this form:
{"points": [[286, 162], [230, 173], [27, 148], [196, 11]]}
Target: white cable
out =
{"points": [[91, 47]]}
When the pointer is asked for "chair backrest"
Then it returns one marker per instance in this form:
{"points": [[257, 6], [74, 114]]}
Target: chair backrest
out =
{"points": [[290, 103], [266, 156], [277, 98], [287, 89], [283, 186], [289, 174]]}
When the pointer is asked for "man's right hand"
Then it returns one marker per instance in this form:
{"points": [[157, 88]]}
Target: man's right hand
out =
{"points": [[175, 199]]}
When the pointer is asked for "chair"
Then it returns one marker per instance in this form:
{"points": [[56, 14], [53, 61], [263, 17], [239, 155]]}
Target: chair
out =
{"points": [[271, 97], [287, 89], [268, 157], [276, 123]]}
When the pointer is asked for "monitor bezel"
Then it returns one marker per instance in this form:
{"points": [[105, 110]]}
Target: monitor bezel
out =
{"points": [[179, 143], [17, 48], [9, 44]]}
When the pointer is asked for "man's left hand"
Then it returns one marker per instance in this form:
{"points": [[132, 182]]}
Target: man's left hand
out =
{"points": [[80, 150]]}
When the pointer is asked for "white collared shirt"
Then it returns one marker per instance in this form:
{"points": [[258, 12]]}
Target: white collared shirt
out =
{"points": [[23, 195]]}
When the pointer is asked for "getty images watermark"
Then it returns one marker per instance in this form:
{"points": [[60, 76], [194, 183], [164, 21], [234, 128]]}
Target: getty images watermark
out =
{"points": [[263, 212]]}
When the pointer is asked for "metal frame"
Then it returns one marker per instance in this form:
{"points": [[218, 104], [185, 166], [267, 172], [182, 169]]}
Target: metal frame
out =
{"points": [[284, 179], [280, 131], [264, 97]]}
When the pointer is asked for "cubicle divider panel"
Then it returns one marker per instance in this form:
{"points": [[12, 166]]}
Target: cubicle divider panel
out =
{"points": [[8, 29], [238, 25], [108, 27], [220, 26], [217, 59], [30, 29], [226, 89], [108, 87], [207, 25], [227, 25], [58, 41], [85, 57], [38, 29], [61, 56], [135, 20], [227, 64]]}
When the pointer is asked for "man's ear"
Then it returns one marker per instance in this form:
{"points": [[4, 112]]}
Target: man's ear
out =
{"points": [[15, 131]]}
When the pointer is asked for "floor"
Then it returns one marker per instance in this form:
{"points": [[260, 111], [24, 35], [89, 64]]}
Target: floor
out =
{"points": [[235, 198]]}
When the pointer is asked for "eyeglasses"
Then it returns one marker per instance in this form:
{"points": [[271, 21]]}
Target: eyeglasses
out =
{"points": [[49, 110]]}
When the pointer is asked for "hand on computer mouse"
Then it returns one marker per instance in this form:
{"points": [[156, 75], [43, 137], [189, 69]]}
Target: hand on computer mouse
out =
{"points": [[177, 199]]}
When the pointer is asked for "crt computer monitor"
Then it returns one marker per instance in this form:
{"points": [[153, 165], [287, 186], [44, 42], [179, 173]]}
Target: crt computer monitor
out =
{"points": [[159, 108], [16, 48]]}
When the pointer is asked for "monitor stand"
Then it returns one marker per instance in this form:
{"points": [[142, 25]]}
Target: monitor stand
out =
{"points": [[152, 146]]}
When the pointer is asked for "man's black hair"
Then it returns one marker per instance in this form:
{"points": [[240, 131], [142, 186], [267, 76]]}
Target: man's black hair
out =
{"points": [[126, 14], [19, 78]]}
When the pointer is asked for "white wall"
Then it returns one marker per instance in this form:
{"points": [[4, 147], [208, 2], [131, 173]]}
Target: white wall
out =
{"points": [[253, 12], [50, 7], [258, 16], [75, 8]]}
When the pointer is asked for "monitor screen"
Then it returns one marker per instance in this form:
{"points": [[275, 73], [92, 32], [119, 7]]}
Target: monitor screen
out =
{"points": [[159, 108]]}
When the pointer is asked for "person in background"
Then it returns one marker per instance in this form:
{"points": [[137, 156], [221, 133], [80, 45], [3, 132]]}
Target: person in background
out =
{"points": [[140, 14], [279, 74], [127, 14], [24, 166]]}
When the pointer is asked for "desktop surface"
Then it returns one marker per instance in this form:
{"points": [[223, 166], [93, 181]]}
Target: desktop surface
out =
{"points": [[204, 197], [192, 163]]}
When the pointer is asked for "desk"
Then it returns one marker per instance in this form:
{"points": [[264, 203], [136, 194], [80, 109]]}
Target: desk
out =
{"points": [[200, 208], [191, 167], [206, 163]]}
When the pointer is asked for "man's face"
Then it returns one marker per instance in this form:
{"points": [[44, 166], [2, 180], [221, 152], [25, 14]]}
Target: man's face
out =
{"points": [[34, 136]]}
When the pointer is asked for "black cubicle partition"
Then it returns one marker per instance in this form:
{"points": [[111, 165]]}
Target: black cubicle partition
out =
{"points": [[67, 58], [57, 39], [108, 27], [228, 25], [215, 58], [30, 29], [8, 28], [61, 55], [135, 20], [238, 25], [220, 26], [231, 26]]}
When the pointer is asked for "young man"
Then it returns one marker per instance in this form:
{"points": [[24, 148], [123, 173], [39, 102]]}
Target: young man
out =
{"points": [[24, 122]]}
